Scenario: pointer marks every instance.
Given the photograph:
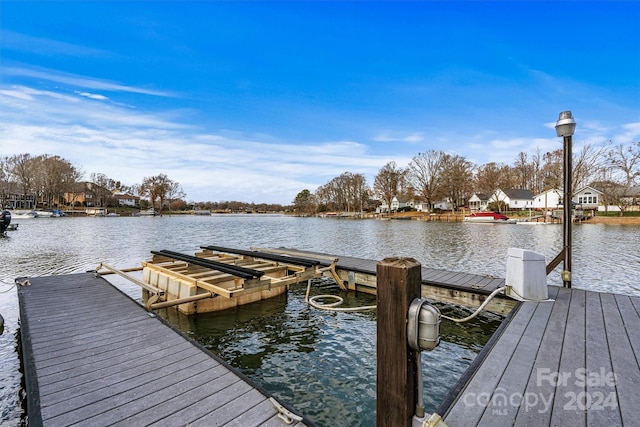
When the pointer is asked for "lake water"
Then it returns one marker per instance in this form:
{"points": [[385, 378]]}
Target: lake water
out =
{"points": [[321, 363]]}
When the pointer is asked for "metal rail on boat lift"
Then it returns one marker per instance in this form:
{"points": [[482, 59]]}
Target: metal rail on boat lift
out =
{"points": [[331, 268], [243, 273], [305, 262], [156, 293]]}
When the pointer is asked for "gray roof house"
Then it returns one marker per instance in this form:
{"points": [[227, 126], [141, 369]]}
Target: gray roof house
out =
{"points": [[514, 198], [479, 201]]}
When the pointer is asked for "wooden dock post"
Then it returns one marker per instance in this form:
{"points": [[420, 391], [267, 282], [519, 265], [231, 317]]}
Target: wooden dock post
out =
{"points": [[399, 283]]}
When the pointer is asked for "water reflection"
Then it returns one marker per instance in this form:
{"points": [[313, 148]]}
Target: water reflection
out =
{"points": [[324, 363]]}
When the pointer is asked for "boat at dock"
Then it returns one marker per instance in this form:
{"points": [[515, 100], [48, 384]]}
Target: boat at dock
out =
{"points": [[24, 214], [489, 217], [96, 212], [53, 213], [147, 212]]}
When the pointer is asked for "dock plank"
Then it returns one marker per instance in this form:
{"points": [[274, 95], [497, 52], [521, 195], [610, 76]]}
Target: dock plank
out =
{"points": [[598, 358], [468, 409], [623, 359], [547, 362], [575, 364], [443, 278], [573, 357], [500, 412], [111, 362]]}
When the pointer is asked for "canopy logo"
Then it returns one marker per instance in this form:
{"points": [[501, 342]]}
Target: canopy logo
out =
{"points": [[578, 390]]}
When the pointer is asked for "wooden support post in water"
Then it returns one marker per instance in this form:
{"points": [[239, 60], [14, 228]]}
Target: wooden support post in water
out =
{"points": [[399, 283]]}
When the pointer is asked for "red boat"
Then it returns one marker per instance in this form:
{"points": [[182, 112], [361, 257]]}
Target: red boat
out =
{"points": [[490, 217]]}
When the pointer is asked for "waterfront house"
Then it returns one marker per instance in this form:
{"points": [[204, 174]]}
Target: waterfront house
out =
{"points": [[547, 200], [397, 203], [616, 198], [18, 201], [443, 205], [422, 206], [87, 194], [126, 199], [587, 198], [515, 199], [479, 202]]}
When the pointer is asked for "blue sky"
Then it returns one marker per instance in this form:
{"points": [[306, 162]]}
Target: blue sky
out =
{"points": [[255, 101]]}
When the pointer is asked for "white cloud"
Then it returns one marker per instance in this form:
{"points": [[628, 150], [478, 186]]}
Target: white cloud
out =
{"points": [[127, 144], [93, 96], [80, 81], [411, 138], [16, 41], [630, 133]]}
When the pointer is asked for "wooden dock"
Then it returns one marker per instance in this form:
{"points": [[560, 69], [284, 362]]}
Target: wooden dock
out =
{"points": [[92, 356], [441, 285], [572, 361]]}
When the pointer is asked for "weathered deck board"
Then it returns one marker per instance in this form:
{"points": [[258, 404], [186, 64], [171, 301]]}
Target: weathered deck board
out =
{"points": [[572, 361], [92, 356], [447, 279]]}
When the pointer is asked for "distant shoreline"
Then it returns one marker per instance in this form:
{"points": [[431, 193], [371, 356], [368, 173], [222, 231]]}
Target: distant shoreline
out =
{"points": [[624, 220], [612, 220]]}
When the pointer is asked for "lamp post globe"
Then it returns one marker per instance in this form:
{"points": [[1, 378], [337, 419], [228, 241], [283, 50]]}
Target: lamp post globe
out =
{"points": [[566, 125]]}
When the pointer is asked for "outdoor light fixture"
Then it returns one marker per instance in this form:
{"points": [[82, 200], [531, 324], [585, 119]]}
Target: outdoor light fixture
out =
{"points": [[423, 333], [565, 127], [423, 325]]}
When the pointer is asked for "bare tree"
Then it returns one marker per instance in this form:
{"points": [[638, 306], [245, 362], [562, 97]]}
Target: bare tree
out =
{"points": [[102, 190], [457, 179], [360, 191], [425, 172], [388, 182], [23, 170], [492, 176], [156, 188], [587, 164], [346, 192], [174, 192], [552, 169], [8, 181], [56, 177], [625, 172], [523, 171]]}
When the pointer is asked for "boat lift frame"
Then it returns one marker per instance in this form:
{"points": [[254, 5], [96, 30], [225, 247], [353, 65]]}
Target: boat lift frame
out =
{"points": [[218, 271]]}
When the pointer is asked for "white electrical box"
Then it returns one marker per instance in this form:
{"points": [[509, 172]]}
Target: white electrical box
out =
{"points": [[526, 275]]}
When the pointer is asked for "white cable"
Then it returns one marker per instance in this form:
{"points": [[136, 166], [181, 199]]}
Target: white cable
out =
{"points": [[484, 304], [333, 305], [5, 291]]}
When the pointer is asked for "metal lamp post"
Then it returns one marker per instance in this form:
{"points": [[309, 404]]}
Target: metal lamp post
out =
{"points": [[565, 127]]}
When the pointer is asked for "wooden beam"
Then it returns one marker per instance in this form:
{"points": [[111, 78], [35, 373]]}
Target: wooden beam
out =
{"points": [[399, 283]]}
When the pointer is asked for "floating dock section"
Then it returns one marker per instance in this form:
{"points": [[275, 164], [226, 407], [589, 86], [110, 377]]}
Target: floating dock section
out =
{"points": [[93, 356], [218, 278], [359, 274]]}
